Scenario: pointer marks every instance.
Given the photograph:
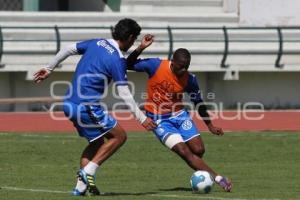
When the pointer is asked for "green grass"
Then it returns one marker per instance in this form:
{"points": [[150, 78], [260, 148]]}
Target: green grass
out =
{"points": [[261, 165]]}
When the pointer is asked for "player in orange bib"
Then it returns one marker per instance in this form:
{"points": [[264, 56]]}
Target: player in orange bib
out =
{"points": [[168, 81]]}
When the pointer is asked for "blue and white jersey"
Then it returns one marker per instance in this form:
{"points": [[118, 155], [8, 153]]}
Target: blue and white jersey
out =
{"points": [[101, 62]]}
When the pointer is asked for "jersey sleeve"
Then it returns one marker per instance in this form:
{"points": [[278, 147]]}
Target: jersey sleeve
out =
{"points": [[193, 89], [148, 65], [118, 71], [83, 45]]}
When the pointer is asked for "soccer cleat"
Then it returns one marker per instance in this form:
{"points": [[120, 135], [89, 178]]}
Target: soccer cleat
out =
{"points": [[76, 192], [89, 180], [225, 184]]}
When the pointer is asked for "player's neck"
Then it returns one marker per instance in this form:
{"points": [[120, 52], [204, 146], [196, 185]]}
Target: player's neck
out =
{"points": [[121, 45]]}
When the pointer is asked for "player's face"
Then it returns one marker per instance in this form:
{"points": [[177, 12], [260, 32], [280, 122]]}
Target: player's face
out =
{"points": [[179, 67]]}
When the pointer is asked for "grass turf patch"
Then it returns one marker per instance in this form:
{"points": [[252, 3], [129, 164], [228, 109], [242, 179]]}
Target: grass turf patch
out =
{"points": [[43, 166]]}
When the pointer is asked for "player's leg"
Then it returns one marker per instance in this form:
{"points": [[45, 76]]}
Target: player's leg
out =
{"points": [[90, 151], [177, 145], [93, 123], [87, 155], [70, 110], [196, 145], [190, 133], [169, 133], [116, 137], [174, 132], [97, 152]]}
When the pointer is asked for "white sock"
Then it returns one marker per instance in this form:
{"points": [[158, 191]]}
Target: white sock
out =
{"points": [[80, 186], [91, 168], [218, 178]]}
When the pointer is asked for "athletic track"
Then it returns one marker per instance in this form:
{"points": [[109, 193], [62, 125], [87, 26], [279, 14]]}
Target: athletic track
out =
{"points": [[38, 122]]}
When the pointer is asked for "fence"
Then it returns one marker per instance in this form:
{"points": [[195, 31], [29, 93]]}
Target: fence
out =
{"points": [[226, 41]]}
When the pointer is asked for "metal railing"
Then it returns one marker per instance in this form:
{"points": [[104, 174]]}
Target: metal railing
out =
{"points": [[226, 41]]}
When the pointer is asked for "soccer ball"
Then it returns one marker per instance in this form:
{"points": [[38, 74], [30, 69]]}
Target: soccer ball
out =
{"points": [[202, 182]]}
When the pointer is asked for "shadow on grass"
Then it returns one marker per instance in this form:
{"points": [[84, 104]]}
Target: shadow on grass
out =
{"points": [[127, 193], [186, 189]]}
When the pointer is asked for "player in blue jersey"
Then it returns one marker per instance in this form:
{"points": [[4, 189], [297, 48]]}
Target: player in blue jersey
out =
{"points": [[102, 61], [168, 80]]}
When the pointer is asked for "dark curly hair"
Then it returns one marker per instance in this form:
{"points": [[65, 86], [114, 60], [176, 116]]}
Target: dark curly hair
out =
{"points": [[124, 28]]}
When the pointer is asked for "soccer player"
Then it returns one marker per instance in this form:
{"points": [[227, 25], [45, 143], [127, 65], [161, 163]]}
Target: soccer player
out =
{"points": [[168, 80], [101, 61]]}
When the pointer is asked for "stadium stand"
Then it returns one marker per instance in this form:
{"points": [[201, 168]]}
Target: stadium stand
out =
{"points": [[208, 28], [149, 14], [198, 28]]}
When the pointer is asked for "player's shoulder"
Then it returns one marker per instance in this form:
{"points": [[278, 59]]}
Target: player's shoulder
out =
{"points": [[192, 79], [89, 41], [90, 44], [192, 83], [192, 76], [106, 44]]}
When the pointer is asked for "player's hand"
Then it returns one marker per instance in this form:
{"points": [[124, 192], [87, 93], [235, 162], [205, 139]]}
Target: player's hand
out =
{"points": [[215, 130], [146, 41], [41, 75], [149, 124]]}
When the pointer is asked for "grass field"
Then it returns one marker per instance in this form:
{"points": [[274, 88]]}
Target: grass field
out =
{"points": [[43, 166]]}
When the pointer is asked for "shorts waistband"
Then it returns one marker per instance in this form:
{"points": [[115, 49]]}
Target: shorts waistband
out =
{"points": [[164, 116]]}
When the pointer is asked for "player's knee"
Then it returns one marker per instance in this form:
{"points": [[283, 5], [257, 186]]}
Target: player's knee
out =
{"points": [[124, 137], [184, 152], [118, 134], [121, 137], [199, 151]]}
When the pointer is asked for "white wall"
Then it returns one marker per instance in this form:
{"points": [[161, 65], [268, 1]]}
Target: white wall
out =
{"points": [[269, 12], [276, 90], [273, 89]]}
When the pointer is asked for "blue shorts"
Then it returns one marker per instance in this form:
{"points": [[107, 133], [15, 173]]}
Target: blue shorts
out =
{"points": [[90, 120], [174, 123]]}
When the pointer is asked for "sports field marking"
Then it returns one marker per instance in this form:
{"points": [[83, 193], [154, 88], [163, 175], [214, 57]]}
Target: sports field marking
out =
{"points": [[196, 197], [201, 197], [34, 190], [152, 195], [73, 136], [145, 135], [40, 135]]}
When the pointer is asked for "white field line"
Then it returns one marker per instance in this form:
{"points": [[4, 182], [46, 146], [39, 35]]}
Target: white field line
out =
{"points": [[73, 136], [142, 135], [201, 197], [152, 195], [34, 190]]}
